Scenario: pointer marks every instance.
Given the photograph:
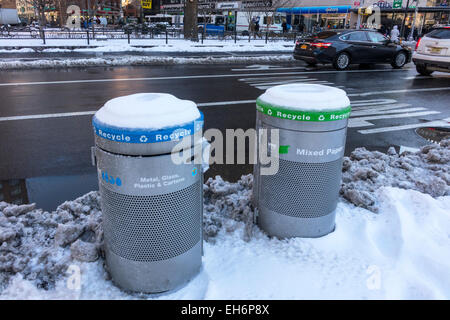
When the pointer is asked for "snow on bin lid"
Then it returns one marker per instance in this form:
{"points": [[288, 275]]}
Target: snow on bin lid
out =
{"points": [[305, 102], [146, 118]]}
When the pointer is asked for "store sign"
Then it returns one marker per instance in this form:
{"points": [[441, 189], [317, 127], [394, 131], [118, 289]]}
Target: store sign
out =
{"points": [[228, 5], [332, 10], [146, 4], [383, 4], [256, 4], [397, 4]]}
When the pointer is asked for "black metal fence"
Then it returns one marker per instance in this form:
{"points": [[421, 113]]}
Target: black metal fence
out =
{"points": [[133, 34]]}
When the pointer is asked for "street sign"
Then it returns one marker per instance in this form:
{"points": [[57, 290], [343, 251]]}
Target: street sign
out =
{"points": [[146, 4], [228, 5], [397, 4]]}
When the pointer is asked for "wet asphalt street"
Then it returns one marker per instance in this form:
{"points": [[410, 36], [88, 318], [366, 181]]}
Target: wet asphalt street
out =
{"points": [[45, 115]]}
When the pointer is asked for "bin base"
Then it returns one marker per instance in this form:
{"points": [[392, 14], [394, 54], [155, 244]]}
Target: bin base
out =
{"points": [[282, 226], [155, 276]]}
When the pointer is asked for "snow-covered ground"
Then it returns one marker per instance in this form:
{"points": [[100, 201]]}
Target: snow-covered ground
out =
{"points": [[228, 47], [52, 63], [147, 45], [398, 249]]}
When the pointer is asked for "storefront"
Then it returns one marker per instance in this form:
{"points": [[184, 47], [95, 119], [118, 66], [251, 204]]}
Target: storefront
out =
{"points": [[309, 19], [420, 17]]}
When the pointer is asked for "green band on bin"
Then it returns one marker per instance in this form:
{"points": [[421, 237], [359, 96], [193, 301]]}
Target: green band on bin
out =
{"points": [[296, 115]]}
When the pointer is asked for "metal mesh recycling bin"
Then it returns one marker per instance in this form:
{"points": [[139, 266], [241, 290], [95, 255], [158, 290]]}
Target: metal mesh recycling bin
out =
{"points": [[152, 207], [301, 198]]}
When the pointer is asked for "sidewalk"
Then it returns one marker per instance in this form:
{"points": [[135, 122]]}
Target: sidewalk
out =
{"points": [[33, 54], [140, 45]]}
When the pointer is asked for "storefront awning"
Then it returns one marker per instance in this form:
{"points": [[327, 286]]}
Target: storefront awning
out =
{"points": [[314, 10]]}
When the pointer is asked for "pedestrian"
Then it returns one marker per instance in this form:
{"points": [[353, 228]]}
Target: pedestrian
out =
{"points": [[256, 28], [284, 26], [395, 33]]}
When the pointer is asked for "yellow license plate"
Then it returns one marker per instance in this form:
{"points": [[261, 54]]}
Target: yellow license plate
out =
{"points": [[435, 50], [304, 46]]}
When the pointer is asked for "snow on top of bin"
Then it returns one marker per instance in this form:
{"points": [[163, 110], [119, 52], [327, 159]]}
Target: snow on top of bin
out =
{"points": [[306, 97], [151, 111]]}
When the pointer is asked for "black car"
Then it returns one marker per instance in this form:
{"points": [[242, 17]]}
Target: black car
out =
{"points": [[345, 47]]}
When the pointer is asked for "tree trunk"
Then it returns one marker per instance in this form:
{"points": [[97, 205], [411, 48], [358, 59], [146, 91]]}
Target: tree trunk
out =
{"points": [[62, 14], [42, 19], [190, 20]]}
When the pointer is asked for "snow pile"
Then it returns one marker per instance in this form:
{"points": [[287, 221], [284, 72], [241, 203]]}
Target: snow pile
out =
{"points": [[147, 111], [225, 204], [134, 61], [364, 172], [40, 245], [307, 97], [403, 252]]}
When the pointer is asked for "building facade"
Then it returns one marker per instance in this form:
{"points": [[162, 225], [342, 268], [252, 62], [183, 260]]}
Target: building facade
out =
{"points": [[8, 4], [310, 14], [25, 9]]}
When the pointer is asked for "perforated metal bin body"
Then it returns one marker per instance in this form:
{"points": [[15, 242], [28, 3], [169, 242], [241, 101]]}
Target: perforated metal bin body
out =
{"points": [[152, 211], [300, 199]]}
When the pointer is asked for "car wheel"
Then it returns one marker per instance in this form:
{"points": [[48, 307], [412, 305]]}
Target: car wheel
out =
{"points": [[341, 61], [399, 60], [423, 70]]}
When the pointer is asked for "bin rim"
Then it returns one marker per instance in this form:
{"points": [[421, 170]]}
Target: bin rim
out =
{"points": [[145, 136], [284, 113]]}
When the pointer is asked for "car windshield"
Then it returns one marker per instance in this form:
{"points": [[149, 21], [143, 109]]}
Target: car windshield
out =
{"points": [[440, 34], [324, 34]]}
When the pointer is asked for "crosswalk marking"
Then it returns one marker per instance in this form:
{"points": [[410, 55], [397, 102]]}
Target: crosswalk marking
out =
{"points": [[387, 106], [373, 102], [364, 121], [436, 123], [263, 83], [365, 111], [387, 112]]}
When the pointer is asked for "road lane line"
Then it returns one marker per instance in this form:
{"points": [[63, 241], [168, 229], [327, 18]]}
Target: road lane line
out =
{"points": [[48, 115], [265, 83], [364, 94], [364, 121], [269, 68], [309, 82], [436, 123], [205, 104], [225, 103], [190, 77], [273, 78], [435, 76]]}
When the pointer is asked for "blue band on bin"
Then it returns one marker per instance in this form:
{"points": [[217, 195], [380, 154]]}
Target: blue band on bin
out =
{"points": [[129, 135]]}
